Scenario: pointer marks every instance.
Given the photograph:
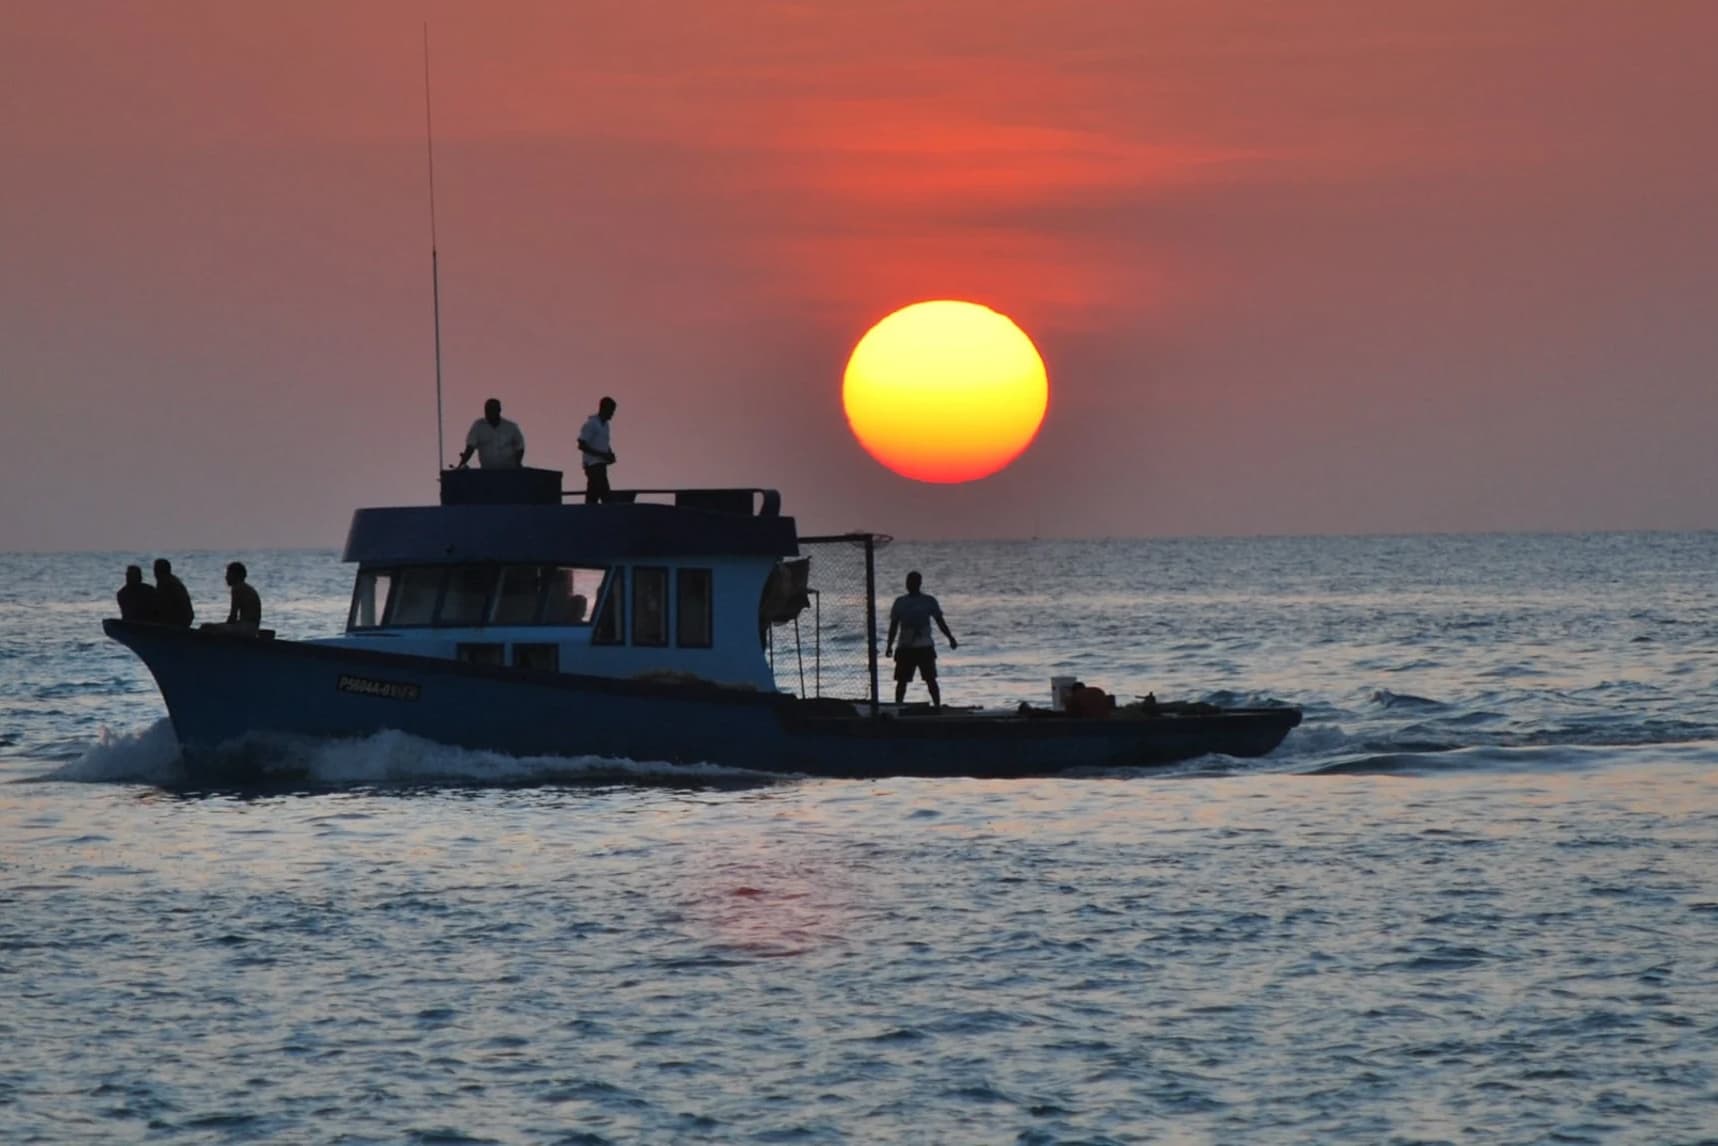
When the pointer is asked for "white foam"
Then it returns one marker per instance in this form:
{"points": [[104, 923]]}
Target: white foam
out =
{"points": [[1312, 740], [151, 756], [395, 757], [146, 756]]}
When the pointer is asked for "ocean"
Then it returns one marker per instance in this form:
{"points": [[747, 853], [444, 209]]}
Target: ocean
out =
{"points": [[1471, 900]]}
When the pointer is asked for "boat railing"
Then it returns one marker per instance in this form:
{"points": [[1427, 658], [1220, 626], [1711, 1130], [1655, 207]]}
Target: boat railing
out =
{"points": [[745, 501], [530, 486], [829, 648]]}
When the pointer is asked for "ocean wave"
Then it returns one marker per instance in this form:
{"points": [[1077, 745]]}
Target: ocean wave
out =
{"points": [[1446, 738], [1228, 698], [1477, 732], [398, 758], [1526, 758], [152, 756], [1601, 733], [1384, 698], [1312, 740], [146, 756], [1513, 672]]}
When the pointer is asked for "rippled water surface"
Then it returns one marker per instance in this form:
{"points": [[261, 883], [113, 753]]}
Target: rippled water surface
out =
{"points": [[1471, 900]]}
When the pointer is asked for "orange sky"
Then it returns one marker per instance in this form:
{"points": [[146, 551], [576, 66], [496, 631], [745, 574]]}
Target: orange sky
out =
{"points": [[1310, 267]]}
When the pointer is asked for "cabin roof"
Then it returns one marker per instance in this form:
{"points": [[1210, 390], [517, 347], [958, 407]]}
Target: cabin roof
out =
{"points": [[517, 517], [561, 534]]}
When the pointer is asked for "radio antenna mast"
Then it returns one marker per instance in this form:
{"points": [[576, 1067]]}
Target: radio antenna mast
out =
{"points": [[435, 267]]}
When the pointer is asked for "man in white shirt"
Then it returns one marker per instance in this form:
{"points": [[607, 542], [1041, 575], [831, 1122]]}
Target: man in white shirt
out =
{"points": [[595, 453], [910, 617], [497, 442]]}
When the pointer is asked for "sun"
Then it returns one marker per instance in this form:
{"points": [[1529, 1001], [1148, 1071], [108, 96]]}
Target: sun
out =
{"points": [[945, 391]]}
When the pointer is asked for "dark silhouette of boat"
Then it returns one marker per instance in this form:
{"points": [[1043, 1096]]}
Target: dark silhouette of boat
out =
{"points": [[505, 619]]}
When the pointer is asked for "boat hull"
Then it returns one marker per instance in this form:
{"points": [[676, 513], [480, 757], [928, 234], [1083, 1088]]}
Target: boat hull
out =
{"points": [[223, 689]]}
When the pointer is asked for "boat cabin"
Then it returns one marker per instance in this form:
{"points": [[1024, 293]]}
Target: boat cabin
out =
{"points": [[505, 572]]}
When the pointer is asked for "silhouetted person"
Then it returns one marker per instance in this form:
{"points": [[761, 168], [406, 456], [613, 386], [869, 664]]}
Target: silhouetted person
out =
{"points": [[172, 598], [246, 612], [911, 616], [498, 443], [594, 451], [138, 600]]}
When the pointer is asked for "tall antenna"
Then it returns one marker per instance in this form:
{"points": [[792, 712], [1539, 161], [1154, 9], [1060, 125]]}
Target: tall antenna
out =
{"points": [[435, 263]]}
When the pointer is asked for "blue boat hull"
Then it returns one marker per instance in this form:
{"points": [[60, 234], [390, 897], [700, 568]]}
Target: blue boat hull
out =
{"points": [[221, 689]]}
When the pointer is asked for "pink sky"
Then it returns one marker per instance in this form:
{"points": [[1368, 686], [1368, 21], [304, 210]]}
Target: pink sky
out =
{"points": [[1308, 267]]}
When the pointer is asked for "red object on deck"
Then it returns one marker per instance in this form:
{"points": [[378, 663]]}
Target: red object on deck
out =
{"points": [[1087, 701]]}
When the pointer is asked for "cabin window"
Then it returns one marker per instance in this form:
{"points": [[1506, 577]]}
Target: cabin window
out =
{"points": [[370, 599], [692, 628], [611, 621], [467, 595], [650, 606], [543, 658], [414, 597], [572, 595], [479, 654], [516, 600]]}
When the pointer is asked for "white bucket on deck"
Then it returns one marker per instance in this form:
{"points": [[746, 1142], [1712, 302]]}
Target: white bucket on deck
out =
{"points": [[1061, 689]]}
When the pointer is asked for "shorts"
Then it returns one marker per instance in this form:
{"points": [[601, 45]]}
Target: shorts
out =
{"points": [[922, 660]]}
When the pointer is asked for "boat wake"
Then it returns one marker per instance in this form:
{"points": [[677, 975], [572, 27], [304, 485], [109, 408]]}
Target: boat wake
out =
{"points": [[1333, 742], [1527, 758], [147, 756], [151, 756]]}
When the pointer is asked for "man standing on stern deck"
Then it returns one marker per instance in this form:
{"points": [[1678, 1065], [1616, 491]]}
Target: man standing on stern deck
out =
{"points": [[595, 453], [911, 616]]}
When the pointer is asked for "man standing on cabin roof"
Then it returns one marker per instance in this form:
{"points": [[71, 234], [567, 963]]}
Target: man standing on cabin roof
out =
{"points": [[911, 616], [594, 452], [498, 443]]}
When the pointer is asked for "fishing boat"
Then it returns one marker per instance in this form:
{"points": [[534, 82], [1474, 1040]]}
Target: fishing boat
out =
{"points": [[685, 626]]}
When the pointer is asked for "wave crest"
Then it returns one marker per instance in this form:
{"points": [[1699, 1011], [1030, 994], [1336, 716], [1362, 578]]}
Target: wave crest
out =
{"points": [[152, 756], [1384, 698], [145, 756]]}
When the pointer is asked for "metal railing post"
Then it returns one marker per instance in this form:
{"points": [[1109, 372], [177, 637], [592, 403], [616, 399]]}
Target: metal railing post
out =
{"points": [[799, 653], [817, 637], [871, 614]]}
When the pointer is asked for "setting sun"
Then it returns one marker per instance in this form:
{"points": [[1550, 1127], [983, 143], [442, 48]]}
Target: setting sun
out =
{"points": [[945, 391]]}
